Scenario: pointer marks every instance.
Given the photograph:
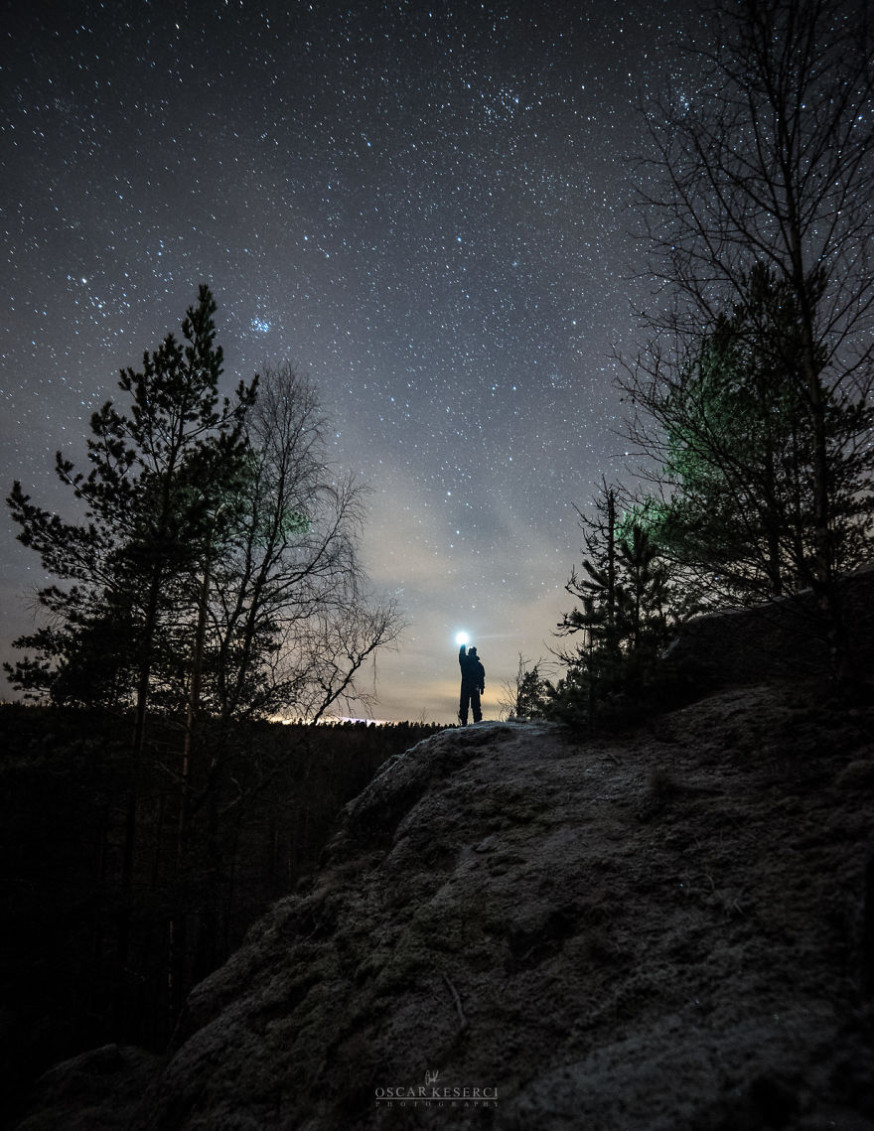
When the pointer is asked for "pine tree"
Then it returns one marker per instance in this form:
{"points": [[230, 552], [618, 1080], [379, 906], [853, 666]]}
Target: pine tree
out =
{"points": [[164, 477], [532, 694], [738, 448], [622, 620], [159, 473]]}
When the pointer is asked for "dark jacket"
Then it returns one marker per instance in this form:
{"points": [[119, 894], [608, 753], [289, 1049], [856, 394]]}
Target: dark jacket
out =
{"points": [[473, 674]]}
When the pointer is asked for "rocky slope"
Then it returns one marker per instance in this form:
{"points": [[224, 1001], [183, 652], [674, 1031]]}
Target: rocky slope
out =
{"points": [[665, 932]]}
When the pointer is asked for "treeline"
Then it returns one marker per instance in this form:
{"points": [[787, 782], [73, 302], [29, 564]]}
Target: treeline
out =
{"points": [[750, 411], [215, 568], [209, 582], [90, 955]]}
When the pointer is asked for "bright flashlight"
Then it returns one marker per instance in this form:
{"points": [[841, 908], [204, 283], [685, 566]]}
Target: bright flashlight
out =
{"points": [[462, 638]]}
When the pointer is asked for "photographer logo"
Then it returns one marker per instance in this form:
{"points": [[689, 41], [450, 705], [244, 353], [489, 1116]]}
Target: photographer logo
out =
{"points": [[434, 1094]]}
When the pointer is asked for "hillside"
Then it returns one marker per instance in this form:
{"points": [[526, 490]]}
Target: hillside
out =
{"points": [[662, 932]]}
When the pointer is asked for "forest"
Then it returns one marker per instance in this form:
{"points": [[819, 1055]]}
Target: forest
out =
{"points": [[99, 948], [211, 578], [748, 408], [211, 585]]}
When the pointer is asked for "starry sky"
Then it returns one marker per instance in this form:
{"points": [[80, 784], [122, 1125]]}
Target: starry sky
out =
{"points": [[424, 205]]}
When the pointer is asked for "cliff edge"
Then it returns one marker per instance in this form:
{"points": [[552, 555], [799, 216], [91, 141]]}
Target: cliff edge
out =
{"points": [[515, 929]]}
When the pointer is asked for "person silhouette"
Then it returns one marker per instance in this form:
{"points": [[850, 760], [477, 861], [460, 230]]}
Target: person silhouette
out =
{"points": [[473, 683]]}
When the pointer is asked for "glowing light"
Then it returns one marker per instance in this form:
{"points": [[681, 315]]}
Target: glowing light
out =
{"points": [[462, 638]]}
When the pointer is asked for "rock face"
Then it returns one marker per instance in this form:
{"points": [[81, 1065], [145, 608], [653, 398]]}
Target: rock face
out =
{"points": [[661, 933], [780, 640]]}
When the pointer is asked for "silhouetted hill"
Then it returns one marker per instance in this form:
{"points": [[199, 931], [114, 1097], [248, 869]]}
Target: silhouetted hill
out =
{"points": [[666, 931]]}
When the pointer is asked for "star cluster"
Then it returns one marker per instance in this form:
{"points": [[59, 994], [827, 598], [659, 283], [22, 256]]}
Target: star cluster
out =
{"points": [[423, 205]]}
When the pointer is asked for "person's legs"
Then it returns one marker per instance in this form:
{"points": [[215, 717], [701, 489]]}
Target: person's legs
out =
{"points": [[474, 702], [463, 707]]}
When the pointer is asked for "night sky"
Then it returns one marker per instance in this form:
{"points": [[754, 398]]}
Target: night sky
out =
{"points": [[425, 206]]}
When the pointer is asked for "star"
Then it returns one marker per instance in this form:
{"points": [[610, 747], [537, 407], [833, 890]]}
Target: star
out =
{"points": [[417, 205]]}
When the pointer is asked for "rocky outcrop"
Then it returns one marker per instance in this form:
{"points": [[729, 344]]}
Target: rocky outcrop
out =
{"points": [[515, 929], [780, 640]]}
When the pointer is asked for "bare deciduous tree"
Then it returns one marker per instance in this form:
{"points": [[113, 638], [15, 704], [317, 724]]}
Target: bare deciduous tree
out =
{"points": [[765, 162], [291, 619]]}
